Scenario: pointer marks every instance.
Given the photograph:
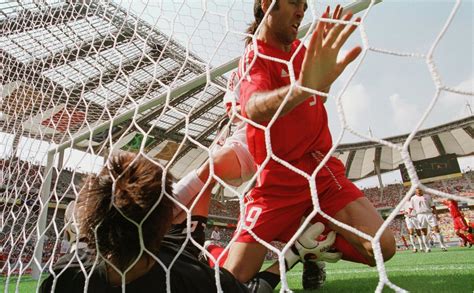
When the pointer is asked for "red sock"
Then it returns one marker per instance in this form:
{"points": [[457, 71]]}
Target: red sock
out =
{"points": [[216, 251], [463, 237], [470, 238], [349, 252]]}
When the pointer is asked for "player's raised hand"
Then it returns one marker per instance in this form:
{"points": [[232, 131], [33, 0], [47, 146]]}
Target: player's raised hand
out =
{"points": [[321, 66], [336, 15]]}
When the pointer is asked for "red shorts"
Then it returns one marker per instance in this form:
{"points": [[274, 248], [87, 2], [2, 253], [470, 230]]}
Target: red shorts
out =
{"points": [[274, 216], [460, 224]]}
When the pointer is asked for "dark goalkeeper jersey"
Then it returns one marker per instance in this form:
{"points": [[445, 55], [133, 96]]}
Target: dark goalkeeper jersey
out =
{"points": [[187, 274]]}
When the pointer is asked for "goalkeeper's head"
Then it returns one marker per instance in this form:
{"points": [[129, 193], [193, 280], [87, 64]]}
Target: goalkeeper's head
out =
{"points": [[130, 190]]}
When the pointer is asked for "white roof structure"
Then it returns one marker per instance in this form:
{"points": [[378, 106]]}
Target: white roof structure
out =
{"points": [[456, 137], [360, 159], [68, 66], [71, 65]]}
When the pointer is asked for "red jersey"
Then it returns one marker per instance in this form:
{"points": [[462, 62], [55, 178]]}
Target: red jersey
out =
{"points": [[301, 137], [453, 208], [301, 131]]}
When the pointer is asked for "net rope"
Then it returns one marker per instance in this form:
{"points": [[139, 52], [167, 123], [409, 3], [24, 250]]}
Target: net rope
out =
{"points": [[70, 68]]}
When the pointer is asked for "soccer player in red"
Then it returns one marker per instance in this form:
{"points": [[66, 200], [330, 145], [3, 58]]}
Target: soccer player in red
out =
{"points": [[460, 226], [300, 136]]}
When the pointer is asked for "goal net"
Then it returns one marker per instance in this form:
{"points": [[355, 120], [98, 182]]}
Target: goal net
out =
{"points": [[82, 80]]}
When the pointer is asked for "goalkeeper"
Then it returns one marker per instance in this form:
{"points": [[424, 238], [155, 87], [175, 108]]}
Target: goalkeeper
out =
{"points": [[128, 192], [127, 198]]}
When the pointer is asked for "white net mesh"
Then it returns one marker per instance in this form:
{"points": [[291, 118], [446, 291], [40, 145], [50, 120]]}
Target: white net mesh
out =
{"points": [[84, 79]]}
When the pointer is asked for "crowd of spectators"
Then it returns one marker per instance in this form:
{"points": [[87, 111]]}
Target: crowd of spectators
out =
{"points": [[23, 181], [18, 240], [389, 196]]}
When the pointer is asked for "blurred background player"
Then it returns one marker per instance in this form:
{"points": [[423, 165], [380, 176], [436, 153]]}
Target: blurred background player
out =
{"points": [[461, 228], [426, 214], [216, 235], [413, 226]]}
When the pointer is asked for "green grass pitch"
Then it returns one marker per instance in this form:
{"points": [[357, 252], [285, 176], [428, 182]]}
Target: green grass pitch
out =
{"points": [[438, 271]]}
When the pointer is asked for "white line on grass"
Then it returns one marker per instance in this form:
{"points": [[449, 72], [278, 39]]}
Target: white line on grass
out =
{"points": [[391, 270]]}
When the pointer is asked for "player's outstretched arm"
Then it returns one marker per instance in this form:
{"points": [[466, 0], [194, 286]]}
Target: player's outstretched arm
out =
{"points": [[320, 69]]}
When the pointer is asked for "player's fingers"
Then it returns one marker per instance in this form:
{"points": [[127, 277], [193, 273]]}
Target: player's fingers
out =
{"points": [[351, 56], [330, 238], [344, 35], [336, 30], [320, 33], [312, 42], [338, 13], [314, 230], [328, 25], [333, 16], [331, 257]]}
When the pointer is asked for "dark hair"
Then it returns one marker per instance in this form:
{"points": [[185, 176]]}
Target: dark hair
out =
{"points": [[132, 184], [258, 15]]}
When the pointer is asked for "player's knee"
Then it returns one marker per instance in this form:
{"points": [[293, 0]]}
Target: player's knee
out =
{"points": [[387, 248], [203, 172], [388, 245]]}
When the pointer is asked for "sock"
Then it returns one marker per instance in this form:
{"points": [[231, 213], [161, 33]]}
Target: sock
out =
{"points": [[463, 237], [440, 239], [349, 252], [186, 189], [419, 242], [423, 238], [412, 241], [271, 278], [470, 238]]}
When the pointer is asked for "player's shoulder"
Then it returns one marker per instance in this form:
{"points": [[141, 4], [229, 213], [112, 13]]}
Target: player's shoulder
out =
{"points": [[252, 52]]}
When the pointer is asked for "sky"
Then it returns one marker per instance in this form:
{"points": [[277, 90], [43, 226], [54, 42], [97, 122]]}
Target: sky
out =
{"points": [[388, 94]]}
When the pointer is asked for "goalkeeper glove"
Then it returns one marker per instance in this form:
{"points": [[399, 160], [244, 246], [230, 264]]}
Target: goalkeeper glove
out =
{"points": [[307, 247]]}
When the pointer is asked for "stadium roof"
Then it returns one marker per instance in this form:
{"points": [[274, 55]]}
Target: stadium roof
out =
{"points": [[456, 137], [70, 65], [360, 159]]}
